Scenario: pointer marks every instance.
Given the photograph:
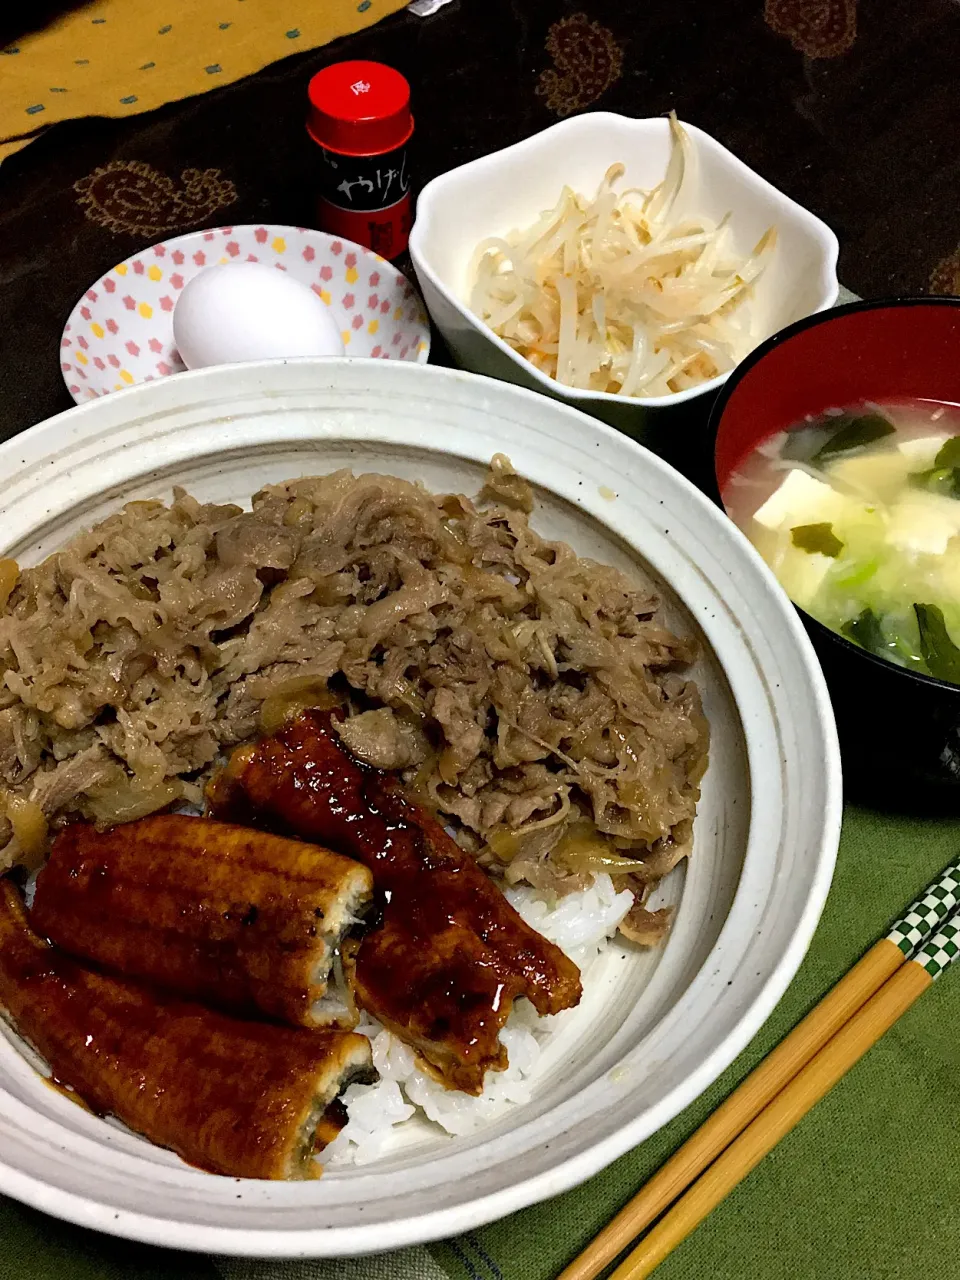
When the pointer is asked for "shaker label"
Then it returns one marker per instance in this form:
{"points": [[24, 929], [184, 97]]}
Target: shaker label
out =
{"points": [[385, 231], [364, 182]]}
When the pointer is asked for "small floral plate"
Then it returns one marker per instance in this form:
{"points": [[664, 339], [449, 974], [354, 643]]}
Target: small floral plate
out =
{"points": [[121, 330]]}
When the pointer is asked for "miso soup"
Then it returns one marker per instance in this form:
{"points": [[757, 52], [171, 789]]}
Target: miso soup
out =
{"points": [[857, 512]]}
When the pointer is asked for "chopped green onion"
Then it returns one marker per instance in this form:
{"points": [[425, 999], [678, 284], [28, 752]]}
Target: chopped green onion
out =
{"points": [[803, 442]]}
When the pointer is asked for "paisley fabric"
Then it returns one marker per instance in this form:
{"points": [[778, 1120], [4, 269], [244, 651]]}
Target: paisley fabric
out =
{"points": [[817, 28], [587, 60], [131, 196]]}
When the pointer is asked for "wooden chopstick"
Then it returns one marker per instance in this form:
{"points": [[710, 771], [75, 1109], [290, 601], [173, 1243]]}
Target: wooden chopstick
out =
{"points": [[790, 1105], [918, 923]]}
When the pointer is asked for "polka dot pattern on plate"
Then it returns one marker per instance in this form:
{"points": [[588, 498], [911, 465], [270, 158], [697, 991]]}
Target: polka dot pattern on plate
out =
{"points": [[121, 330]]}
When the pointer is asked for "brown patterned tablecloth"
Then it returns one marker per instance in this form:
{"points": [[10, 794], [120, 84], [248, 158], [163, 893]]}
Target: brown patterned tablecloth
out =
{"points": [[851, 107]]}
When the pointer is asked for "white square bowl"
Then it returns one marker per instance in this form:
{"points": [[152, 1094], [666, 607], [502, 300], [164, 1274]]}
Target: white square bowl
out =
{"points": [[509, 189]]}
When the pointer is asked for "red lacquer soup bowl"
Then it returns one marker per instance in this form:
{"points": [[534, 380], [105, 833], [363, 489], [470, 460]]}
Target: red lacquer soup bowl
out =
{"points": [[899, 729]]}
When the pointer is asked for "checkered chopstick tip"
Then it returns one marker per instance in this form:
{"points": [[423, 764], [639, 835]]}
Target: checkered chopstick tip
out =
{"points": [[924, 916], [937, 955]]}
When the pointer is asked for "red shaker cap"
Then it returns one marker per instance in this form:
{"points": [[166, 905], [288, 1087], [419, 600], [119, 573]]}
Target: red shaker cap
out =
{"points": [[359, 108]]}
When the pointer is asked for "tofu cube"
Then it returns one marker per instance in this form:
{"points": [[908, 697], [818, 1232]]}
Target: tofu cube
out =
{"points": [[923, 523], [921, 451], [801, 499]]}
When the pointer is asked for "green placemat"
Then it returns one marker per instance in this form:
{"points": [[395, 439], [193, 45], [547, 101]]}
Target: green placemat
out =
{"points": [[867, 1186]]}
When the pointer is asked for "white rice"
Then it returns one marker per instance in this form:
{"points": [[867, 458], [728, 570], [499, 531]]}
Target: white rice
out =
{"points": [[581, 925]]}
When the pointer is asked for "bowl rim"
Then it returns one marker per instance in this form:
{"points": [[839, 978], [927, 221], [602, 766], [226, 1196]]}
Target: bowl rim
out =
{"points": [[718, 409], [87, 1209], [830, 247]]}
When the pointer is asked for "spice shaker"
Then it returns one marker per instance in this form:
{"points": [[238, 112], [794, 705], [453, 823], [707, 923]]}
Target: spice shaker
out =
{"points": [[360, 120]]}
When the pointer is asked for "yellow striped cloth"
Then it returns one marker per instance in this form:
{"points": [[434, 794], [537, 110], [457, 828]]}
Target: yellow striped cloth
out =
{"points": [[122, 57]]}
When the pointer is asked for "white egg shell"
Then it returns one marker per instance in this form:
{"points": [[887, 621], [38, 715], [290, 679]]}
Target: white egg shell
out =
{"points": [[249, 311]]}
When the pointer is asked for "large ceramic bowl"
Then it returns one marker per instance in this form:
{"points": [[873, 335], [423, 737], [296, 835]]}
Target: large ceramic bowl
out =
{"points": [[656, 1027], [510, 188], [899, 729]]}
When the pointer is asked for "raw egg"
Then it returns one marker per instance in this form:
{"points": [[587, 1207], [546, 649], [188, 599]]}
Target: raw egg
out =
{"points": [[249, 311]]}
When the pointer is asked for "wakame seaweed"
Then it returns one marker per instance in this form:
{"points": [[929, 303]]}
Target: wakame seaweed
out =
{"points": [[816, 537], [865, 630], [949, 455], [942, 480], [944, 476], [852, 432], [939, 651]]}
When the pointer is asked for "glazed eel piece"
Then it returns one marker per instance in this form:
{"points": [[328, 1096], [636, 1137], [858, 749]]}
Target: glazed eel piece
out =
{"points": [[247, 1099], [247, 921], [450, 956]]}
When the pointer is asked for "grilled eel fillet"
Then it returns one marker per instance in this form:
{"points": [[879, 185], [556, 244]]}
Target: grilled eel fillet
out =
{"points": [[451, 955], [243, 920], [247, 1099]]}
